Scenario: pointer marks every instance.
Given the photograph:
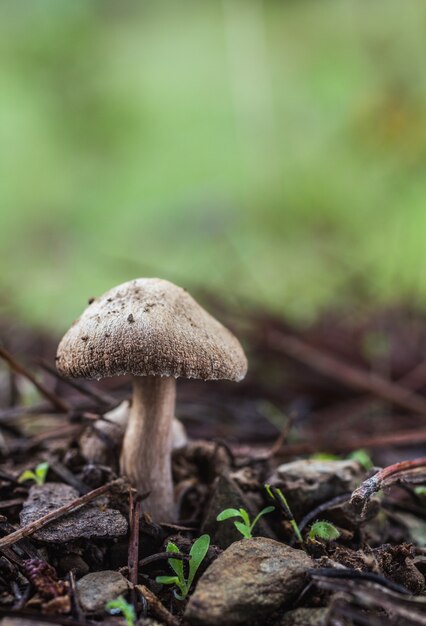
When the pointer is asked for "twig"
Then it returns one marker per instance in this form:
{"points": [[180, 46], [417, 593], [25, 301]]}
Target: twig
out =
{"points": [[157, 607], [353, 574], [162, 556], [348, 375], [21, 369], [103, 398], [133, 555], [386, 476], [75, 602], [399, 438], [26, 531], [325, 506]]}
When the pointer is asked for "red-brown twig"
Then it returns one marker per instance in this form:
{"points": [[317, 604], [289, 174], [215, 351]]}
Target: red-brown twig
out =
{"points": [[133, 554], [26, 531], [387, 476], [348, 375], [20, 369]]}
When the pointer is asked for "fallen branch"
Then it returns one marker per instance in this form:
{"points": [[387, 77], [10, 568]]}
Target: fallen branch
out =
{"points": [[348, 375], [20, 369], [26, 531], [407, 471], [156, 606]]}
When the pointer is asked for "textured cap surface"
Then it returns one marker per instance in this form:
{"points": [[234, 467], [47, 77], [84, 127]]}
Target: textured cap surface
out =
{"points": [[149, 326]]}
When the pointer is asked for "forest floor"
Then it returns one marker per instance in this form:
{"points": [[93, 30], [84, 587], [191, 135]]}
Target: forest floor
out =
{"points": [[331, 417]]}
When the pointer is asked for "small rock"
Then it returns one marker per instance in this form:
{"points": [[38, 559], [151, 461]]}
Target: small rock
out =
{"points": [[73, 563], [248, 581], [96, 589], [307, 483], [92, 520], [304, 617]]}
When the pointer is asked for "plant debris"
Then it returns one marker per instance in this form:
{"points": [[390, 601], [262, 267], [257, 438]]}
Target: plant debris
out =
{"points": [[345, 541]]}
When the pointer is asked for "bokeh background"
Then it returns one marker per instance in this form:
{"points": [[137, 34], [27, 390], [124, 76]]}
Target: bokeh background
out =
{"points": [[273, 152]]}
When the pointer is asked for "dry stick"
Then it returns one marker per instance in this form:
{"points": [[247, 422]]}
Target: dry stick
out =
{"points": [[157, 607], [133, 555], [347, 374], [26, 531], [105, 399], [20, 369], [400, 438], [370, 486]]}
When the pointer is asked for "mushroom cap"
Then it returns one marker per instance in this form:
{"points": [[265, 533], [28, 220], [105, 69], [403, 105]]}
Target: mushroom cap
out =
{"points": [[149, 327]]}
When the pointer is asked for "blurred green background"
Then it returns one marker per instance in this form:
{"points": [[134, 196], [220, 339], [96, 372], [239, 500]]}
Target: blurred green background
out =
{"points": [[272, 151]]}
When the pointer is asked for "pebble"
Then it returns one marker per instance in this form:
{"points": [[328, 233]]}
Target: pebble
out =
{"points": [[93, 520], [96, 589], [307, 483], [248, 581]]}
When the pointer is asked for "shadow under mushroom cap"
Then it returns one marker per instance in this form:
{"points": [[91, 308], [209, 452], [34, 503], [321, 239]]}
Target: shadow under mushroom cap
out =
{"points": [[149, 327]]}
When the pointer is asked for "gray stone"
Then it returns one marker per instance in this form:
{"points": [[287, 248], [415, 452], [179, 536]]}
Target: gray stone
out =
{"points": [[247, 582], [307, 483], [93, 520], [304, 617], [96, 589]]}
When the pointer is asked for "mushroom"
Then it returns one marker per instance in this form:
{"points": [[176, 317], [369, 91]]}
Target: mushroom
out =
{"points": [[95, 441], [155, 331]]}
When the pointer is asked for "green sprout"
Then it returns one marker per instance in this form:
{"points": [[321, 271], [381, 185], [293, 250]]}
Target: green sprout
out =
{"points": [[363, 459], [276, 494], [120, 605], [420, 491], [323, 530], [38, 475], [196, 555], [361, 456], [245, 527]]}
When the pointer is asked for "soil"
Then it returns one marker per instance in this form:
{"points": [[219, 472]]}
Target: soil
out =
{"points": [[317, 396]]}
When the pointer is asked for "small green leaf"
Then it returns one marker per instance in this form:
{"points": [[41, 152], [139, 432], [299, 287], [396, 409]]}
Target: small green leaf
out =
{"points": [[27, 475], [120, 605], [167, 580], [227, 513], [41, 472], [420, 491], [323, 530], [197, 553], [172, 547], [244, 530], [363, 459], [265, 511], [176, 564], [324, 456], [245, 517]]}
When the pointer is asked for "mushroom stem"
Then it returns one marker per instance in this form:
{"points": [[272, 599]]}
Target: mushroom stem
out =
{"points": [[146, 452]]}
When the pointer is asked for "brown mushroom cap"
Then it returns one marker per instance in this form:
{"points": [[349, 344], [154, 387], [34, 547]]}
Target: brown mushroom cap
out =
{"points": [[149, 327]]}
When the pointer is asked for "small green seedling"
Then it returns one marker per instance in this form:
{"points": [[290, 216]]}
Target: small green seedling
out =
{"points": [[420, 491], [363, 459], [245, 527], [120, 605], [38, 475], [361, 456], [277, 495], [323, 530], [196, 556]]}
